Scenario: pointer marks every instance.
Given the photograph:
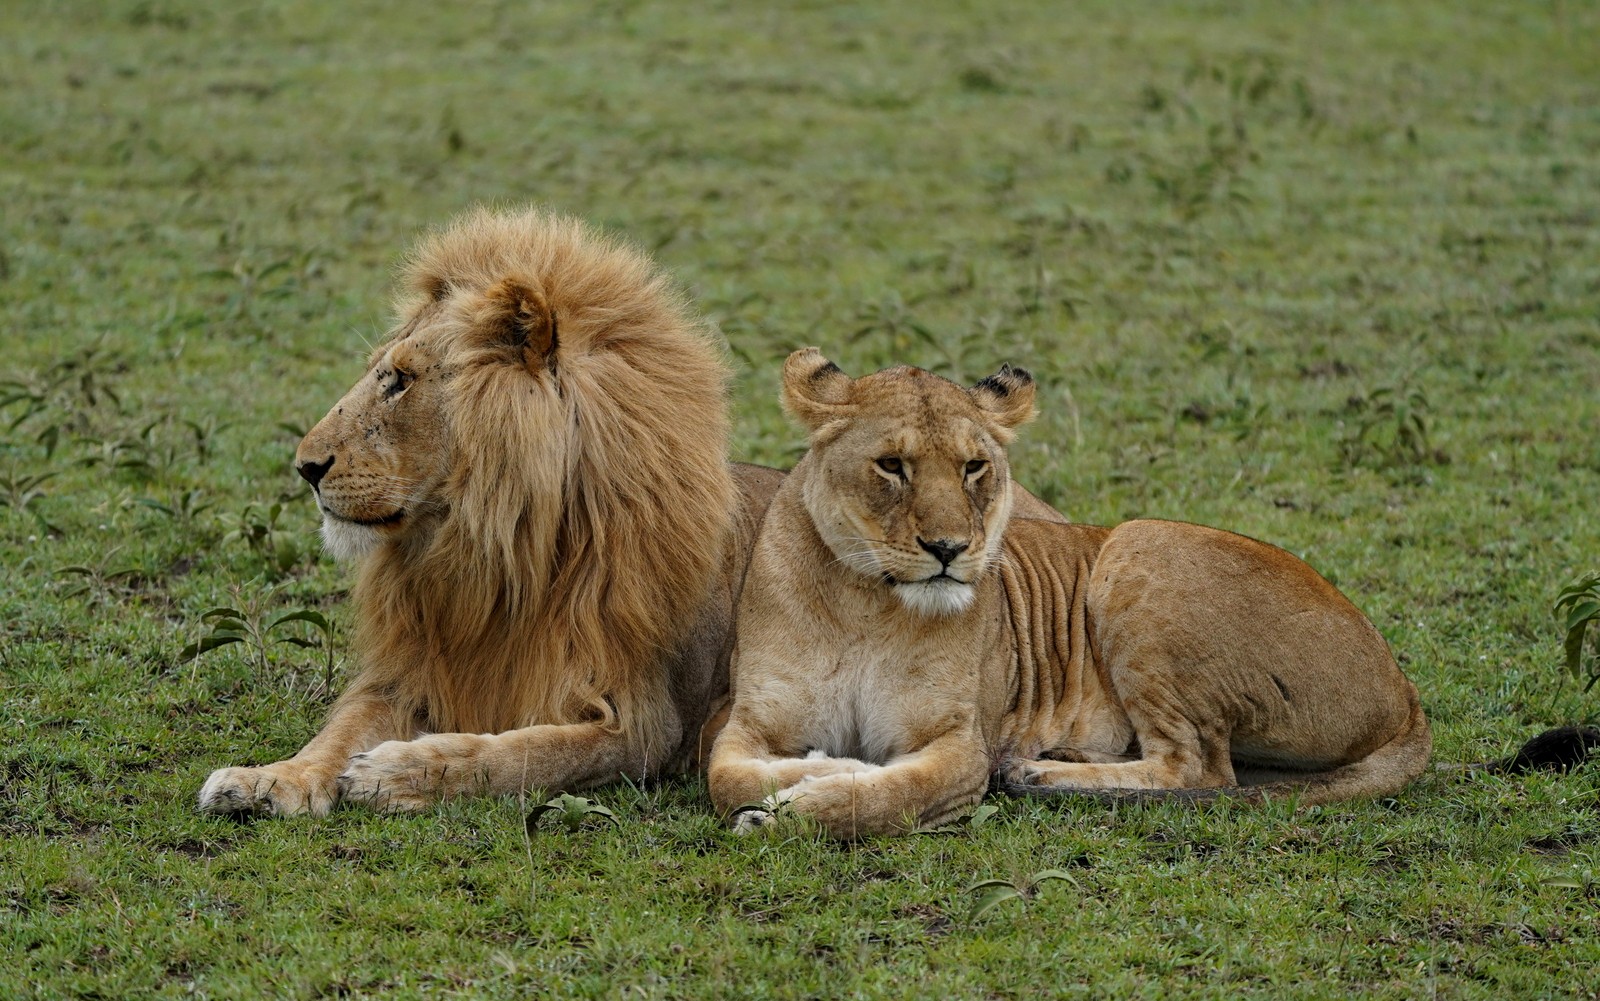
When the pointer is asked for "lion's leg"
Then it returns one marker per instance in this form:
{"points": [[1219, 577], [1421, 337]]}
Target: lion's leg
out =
{"points": [[922, 789], [413, 774], [307, 782]]}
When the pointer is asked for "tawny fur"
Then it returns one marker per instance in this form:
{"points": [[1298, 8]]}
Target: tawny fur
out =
{"points": [[1151, 656], [533, 477]]}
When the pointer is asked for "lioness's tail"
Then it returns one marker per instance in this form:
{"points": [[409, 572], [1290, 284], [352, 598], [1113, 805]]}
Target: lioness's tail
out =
{"points": [[1559, 749], [1384, 772], [1553, 750]]}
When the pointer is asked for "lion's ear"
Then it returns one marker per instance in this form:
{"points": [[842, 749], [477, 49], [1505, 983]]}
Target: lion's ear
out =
{"points": [[815, 390], [516, 317], [1007, 396]]}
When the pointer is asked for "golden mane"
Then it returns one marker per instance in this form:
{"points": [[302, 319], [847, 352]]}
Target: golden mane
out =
{"points": [[586, 524]]}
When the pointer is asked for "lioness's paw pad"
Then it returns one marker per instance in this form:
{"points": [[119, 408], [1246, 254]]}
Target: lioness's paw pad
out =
{"points": [[750, 821]]}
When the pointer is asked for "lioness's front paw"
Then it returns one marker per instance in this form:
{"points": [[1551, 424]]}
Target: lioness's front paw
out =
{"points": [[279, 790], [404, 774], [752, 820], [818, 765]]}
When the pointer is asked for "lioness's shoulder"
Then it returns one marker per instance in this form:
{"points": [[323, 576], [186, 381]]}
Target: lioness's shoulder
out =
{"points": [[1041, 537]]}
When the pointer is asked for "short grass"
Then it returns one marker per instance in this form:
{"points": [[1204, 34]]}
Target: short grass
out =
{"points": [[1325, 274]]}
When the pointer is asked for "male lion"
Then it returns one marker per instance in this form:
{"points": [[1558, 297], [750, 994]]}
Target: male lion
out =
{"points": [[898, 642], [533, 478]]}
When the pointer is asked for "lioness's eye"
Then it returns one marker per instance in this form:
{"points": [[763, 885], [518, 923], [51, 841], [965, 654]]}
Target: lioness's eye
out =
{"points": [[891, 465], [398, 382], [976, 466]]}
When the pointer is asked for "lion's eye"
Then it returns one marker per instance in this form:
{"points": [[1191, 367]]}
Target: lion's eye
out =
{"points": [[891, 464], [976, 467], [398, 382]]}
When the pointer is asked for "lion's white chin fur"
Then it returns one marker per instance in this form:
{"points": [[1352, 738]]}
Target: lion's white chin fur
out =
{"points": [[933, 598], [347, 542]]}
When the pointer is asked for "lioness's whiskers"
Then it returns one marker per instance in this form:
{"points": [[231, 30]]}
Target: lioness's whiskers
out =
{"points": [[862, 560]]}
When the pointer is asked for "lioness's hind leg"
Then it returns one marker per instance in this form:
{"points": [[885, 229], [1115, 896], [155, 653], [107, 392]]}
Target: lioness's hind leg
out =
{"points": [[1175, 756], [1142, 774], [1085, 755]]}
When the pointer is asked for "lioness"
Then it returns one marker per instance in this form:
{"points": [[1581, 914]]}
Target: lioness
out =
{"points": [[898, 642]]}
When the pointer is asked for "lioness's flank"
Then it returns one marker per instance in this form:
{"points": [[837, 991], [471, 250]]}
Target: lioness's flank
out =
{"points": [[532, 479], [899, 642]]}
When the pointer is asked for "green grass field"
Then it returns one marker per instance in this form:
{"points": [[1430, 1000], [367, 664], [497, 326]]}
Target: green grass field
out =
{"points": [[1328, 275]]}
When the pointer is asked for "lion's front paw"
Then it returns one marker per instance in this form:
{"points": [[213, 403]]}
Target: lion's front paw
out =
{"points": [[279, 790], [403, 775]]}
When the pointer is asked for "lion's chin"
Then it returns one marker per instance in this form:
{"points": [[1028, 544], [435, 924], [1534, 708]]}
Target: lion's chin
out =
{"points": [[347, 541], [936, 597]]}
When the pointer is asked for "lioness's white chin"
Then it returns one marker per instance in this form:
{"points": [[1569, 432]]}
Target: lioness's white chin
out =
{"points": [[346, 540], [940, 596]]}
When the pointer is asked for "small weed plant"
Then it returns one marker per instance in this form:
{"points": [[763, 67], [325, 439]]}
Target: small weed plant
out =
{"points": [[571, 813], [1578, 606], [254, 623]]}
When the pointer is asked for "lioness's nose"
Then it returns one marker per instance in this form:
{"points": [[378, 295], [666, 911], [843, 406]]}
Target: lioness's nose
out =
{"points": [[313, 472], [943, 550]]}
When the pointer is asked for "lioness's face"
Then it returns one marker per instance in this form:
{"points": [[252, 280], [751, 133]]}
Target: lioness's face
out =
{"points": [[377, 460], [909, 486]]}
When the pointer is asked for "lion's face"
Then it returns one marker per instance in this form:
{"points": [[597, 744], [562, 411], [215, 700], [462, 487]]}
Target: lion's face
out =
{"points": [[383, 463], [377, 460], [909, 482]]}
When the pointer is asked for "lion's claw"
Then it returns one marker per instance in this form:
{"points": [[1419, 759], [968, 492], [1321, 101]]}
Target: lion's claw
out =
{"points": [[397, 775], [283, 789]]}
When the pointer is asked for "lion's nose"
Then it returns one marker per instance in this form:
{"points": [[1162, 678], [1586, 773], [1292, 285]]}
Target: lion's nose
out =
{"points": [[313, 472], [943, 550]]}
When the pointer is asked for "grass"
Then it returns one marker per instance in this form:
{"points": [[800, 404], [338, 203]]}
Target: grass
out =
{"points": [[1328, 275]]}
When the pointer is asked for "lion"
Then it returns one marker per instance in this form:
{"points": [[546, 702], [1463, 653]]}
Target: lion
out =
{"points": [[532, 479], [902, 637]]}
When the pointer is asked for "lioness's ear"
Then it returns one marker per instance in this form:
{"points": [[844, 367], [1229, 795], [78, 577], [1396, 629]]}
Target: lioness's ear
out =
{"points": [[1007, 396], [815, 390], [517, 317]]}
